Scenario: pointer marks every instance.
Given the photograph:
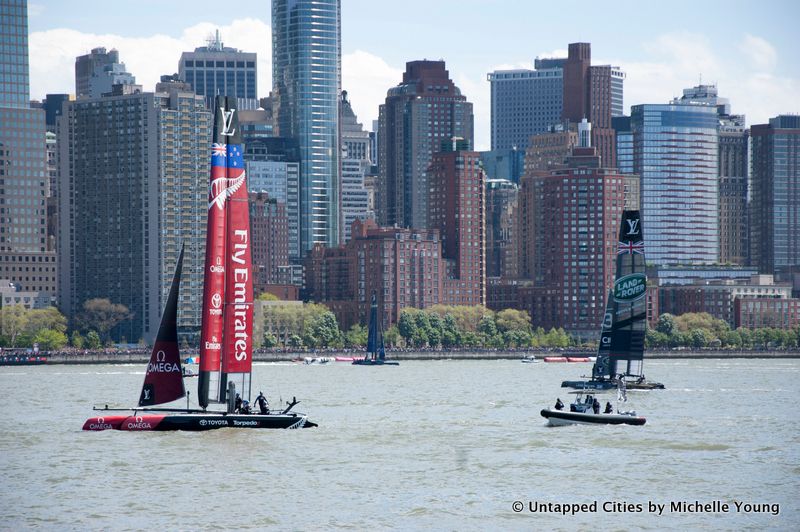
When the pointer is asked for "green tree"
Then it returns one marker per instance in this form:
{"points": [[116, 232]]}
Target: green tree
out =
{"points": [[655, 338], [407, 325], [269, 340], [266, 296], [50, 340], [323, 331], [76, 340], [356, 336], [391, 337], [295, 341], [513, 320], [666, 324], [13, 322], [93, 340], [101, 315], [435, 329], [451, 336]]}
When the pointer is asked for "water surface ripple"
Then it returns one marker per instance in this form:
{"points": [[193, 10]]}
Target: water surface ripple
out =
{"points": [[445, 445]]}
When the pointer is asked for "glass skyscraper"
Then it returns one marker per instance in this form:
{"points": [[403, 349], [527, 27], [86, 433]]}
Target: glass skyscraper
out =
{"points": [[306, 81], [775, 204], [214, 70], [24, 181], [675, 148]]}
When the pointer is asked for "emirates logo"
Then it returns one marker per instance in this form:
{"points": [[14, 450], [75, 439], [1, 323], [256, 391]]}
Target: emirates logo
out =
{"points": [[223, 188]]}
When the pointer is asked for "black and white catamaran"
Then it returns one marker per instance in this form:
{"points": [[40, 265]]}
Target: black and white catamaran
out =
{"points": [[620, 355]]}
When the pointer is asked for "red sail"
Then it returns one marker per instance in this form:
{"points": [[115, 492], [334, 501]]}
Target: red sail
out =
{"points": [[214, 273], [238, 331], [164, 379]]}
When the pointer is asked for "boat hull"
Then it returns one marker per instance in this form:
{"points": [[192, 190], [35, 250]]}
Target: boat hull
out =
{"points": [[197, 422], [371, 362], [557, 418], [610, 385], [22, 360]]}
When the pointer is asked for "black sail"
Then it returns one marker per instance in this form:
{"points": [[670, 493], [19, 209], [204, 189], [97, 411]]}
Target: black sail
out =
{"points": [[601, 367], [163, 381], [375, 347], [629, 299]]}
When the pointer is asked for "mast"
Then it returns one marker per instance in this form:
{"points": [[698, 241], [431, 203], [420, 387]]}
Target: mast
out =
{"points": [[163, 381], [630, 301], [237, 347], [208, 385]]}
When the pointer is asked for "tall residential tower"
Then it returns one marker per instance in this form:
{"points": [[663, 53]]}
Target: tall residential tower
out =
{"points": [[306, 81]]}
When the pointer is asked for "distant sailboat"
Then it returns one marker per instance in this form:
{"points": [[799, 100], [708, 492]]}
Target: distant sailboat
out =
{"points": [[621, 350], [376, 353], [227, 327]]}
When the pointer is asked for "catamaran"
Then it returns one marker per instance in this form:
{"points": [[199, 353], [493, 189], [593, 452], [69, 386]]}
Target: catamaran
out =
{"points": [[227, 324], [376, 353], [620, 354]]}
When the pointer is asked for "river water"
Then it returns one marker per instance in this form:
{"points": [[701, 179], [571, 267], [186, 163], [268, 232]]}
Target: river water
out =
{"points": [[443, 445]]}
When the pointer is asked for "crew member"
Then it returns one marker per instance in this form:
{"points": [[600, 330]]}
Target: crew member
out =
{"points": [[559, 404], [596, 406], [237, 404], [262, 403], [609, 409]]}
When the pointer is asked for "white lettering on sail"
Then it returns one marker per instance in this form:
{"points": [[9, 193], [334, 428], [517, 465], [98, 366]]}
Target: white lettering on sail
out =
{"points": [[240, 247], [227, 122], [240, 306], [163, 367]]}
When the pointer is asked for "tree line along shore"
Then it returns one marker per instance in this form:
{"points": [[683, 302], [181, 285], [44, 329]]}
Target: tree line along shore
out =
{"points": [[302, 327]]}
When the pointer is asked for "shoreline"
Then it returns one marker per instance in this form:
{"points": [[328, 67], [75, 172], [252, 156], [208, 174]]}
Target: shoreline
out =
{"points": [[104, 357]]}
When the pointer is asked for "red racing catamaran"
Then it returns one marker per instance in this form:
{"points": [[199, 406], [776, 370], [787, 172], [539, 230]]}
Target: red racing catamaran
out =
{"points": [[226, 349]]}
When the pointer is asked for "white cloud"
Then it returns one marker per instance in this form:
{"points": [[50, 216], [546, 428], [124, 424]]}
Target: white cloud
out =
{"points": [[53, 53], [678, 60], [366, 78], [759, 52], [34, 10]]}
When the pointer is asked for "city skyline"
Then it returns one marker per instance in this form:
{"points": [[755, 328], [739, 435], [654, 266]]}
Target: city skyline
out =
{"points": [[748, 53]]}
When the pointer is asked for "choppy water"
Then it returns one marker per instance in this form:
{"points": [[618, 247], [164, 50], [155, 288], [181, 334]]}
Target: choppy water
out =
{"points": [[427, 445]]}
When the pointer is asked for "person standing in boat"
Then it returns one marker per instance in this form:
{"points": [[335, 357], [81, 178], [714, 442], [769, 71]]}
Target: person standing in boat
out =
{"points": [[262, 403], [559, 404], [237, 404], [596, 406]]}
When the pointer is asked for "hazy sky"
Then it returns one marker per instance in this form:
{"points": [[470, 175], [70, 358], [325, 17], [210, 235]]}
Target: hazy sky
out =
{"points": [[749, 49]]}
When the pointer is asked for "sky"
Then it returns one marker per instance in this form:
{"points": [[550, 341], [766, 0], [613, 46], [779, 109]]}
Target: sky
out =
{"points": [[748, 49]]}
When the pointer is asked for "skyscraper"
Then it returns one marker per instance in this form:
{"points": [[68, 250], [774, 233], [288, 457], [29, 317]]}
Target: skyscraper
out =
{"points": [[530, 102], [216, 70], [130, 197], [306, 81], [733, 153], [525, 102], [457, 198], [593, 92], [572, 215], [425, 109], [775, 208], [24, 256], [355, 166], [501, 228], [675, 149]]}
